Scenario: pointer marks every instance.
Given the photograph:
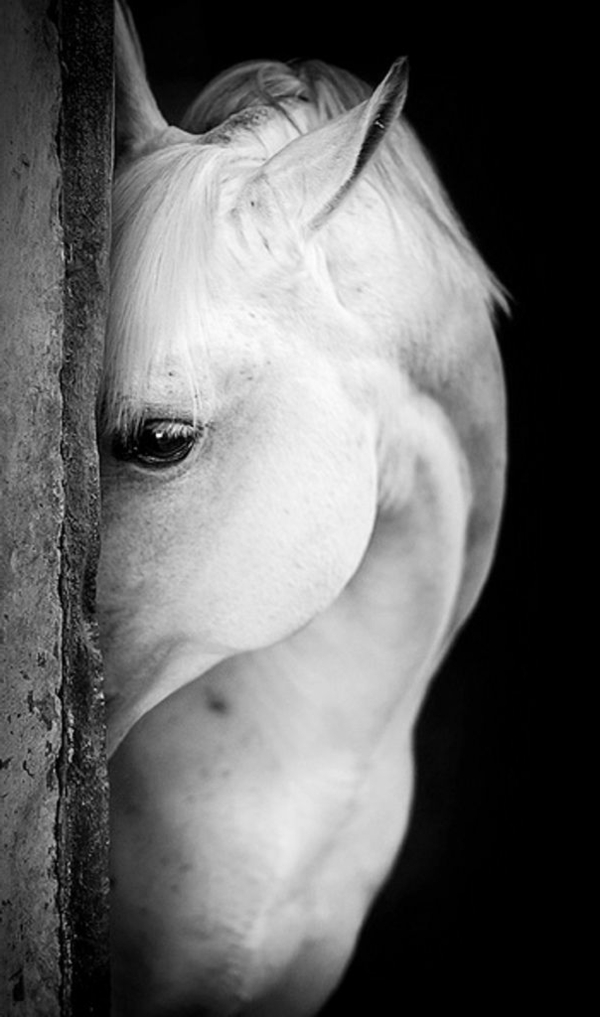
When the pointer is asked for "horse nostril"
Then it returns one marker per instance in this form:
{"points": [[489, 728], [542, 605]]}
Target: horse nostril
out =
{"points": [[216, 702]]}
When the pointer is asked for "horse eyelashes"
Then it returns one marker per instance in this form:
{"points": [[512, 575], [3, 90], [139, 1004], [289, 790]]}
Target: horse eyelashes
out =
{"points": [[156, 443]]}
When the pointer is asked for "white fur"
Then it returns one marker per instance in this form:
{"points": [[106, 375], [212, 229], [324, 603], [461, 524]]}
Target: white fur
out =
{"points": [[273, 607]]}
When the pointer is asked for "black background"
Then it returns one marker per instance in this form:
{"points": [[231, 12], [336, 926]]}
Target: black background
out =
{"points": [[459, 924]]}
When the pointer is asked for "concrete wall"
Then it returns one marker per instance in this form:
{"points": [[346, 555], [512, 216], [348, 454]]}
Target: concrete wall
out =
{"points": [[55, 156]]}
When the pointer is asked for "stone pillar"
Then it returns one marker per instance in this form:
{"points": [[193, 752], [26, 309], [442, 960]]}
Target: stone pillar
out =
{"points": [[55, 162]]}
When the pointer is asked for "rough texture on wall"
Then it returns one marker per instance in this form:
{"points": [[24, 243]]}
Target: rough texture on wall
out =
{"points": [[53, 833], [85, 149], [31, 294]]}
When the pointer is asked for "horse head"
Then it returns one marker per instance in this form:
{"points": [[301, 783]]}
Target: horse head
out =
{"points": [[302, 471]]}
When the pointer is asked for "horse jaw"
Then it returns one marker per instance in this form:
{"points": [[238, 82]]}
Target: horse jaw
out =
{"points": [[260, 531]]}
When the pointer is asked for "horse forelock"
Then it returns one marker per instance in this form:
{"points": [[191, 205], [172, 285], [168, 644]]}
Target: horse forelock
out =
{"points": [[172, 243], [164, 271]]}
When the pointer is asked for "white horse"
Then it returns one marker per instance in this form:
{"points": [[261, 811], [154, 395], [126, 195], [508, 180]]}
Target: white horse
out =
{"points": [[303, 462]]}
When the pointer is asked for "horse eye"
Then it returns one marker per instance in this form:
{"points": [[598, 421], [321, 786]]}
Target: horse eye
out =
{"points": [[157, 443]]}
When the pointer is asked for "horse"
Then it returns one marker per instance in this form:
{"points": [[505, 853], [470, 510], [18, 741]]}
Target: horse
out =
{"points": [[302, 444]]}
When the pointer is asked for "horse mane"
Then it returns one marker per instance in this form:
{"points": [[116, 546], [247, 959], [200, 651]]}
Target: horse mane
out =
{"points": [[327, 90], [168, 199], [310, 92]]}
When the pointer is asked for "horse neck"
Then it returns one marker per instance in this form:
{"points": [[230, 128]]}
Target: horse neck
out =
{"points": [[364, 663]]}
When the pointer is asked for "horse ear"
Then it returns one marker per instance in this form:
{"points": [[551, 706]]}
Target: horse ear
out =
{"points": [[137, 117], [311, 175]]}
